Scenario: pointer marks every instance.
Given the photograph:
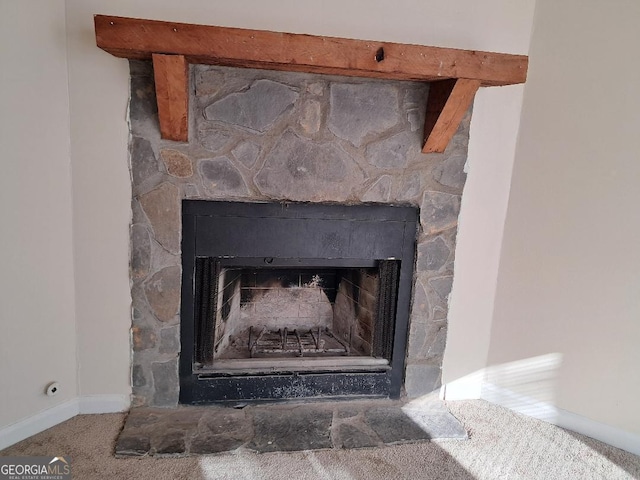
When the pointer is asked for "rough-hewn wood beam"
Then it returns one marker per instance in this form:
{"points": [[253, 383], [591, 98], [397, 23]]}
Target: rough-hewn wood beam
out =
{"points": [[456, 74], [447, 103], [171, 74], [135, 38]]}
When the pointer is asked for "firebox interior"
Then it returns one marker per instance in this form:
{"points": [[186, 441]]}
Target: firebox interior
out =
{"points": [[256, 318], [280, 313]]}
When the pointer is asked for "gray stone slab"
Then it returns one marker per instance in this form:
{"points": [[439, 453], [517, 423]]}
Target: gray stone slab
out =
{"points": [[170, 340], [257, 108], [142, 417], [226, 421], [140, 67], [439, 211], [169, 442], [442, 286], [207, 443], [392, 152], [451, 171], [138, 376], [220, 177], [299, 429], [247, 153], [353, 437], [165, 381], [411, 186], [434, 418], [143, 107], [208, 81], [433, 255], [212, 137], [162, 206], [417, 339], [438, 341], [422, 379], [358, 111], [379, 191], [143, 161], [163, 293], [392, 425], [132, 445], [186, 418], [296, 167], [421, 308], [140, 251], [221, 430]]}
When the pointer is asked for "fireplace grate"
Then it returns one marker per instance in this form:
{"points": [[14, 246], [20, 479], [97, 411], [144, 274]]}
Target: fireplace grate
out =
{"points": [[299, 342]]}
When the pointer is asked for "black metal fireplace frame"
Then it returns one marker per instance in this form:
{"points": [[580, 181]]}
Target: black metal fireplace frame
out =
{"points": [[332, 235]]}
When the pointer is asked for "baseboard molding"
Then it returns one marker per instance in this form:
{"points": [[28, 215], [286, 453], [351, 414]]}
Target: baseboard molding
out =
{"points": [[38, 423], [51, 417], [605, 433], [103, 403], [468, 387], [571, 421]]}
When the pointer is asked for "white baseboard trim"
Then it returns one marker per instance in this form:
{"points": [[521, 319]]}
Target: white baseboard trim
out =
{"points": [[571, 421], [605, 433], [38, 423], [103, 403], [51, 417], [468, 387]]}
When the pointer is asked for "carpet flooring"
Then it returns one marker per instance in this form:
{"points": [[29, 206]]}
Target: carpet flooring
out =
{"points": [[501, 444]]}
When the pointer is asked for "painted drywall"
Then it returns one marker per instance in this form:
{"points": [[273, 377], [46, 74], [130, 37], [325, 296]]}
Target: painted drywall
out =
{"points": [[37, 317], [569, 277], [492, 141], [99, 91]]}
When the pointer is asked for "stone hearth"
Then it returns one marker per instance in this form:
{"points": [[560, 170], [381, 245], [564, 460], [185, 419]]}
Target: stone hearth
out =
{"points": [[285, 427], [270, 136]]}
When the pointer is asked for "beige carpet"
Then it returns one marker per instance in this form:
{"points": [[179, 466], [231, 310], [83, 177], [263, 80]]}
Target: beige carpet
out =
{"points": [[502, 444]]}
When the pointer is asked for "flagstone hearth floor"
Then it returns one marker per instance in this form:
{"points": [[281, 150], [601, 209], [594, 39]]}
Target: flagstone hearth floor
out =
{"points": [[190, 430]]}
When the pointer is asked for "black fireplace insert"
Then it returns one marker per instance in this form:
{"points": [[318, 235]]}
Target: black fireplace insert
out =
{"points": [[293, 300]]}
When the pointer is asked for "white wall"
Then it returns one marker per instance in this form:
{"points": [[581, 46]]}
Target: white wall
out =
{"points": [[37, 318], [99, 90], [493, 133], [569, 278]]}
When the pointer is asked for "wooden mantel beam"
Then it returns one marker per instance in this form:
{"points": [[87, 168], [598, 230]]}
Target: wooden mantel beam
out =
{"points": [[142, 39], [134, 38]]}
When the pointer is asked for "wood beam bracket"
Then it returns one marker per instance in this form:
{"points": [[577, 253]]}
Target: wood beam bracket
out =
{"points": [[171, 74], [455, 74], [446, 105]]}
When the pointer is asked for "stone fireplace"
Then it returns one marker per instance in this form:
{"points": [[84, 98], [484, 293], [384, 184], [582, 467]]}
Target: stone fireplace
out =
{"points": [[263, 137]]}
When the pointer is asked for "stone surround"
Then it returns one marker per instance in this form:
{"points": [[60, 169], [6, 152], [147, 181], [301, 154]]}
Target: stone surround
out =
{"points": [[259, 135]]}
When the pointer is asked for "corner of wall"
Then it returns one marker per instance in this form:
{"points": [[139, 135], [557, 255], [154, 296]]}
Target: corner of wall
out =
{"points": [[90, 404]]}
